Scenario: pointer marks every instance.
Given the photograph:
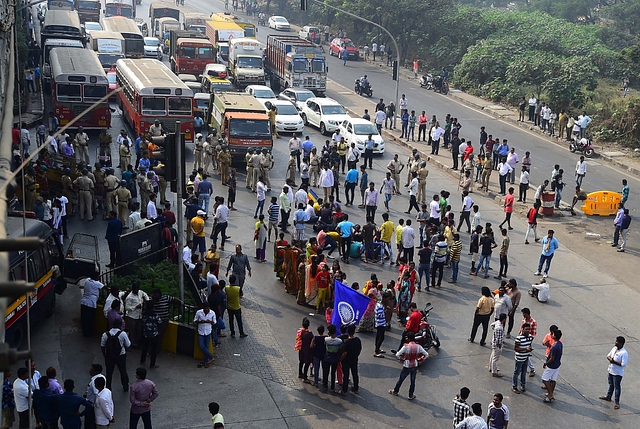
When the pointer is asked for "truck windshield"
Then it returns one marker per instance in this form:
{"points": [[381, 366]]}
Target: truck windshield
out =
{"points": [[205, 53], [249, 128], [188, 52], [224, 51], [317, 66], [250, 62], [300, 65]]}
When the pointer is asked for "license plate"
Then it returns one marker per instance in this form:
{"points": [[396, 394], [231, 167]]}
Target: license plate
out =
{"points": [[102, 123]]}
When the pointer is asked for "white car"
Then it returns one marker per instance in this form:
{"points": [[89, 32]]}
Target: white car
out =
{"points": [[297, 96], [262, 92], [324, 113], [288, 119], [279, 23], [357, 130], [153, 48]]}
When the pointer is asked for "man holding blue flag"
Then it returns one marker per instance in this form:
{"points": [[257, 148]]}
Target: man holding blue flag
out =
{"points": [[348, 305]]}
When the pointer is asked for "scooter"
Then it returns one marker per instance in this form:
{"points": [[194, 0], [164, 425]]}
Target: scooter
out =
{"points": [[584, 145], [366, 90], [426, 81]]}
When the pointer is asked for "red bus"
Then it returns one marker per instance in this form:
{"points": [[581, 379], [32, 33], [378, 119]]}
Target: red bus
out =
{"points": [[151, 91], [77, 81]]}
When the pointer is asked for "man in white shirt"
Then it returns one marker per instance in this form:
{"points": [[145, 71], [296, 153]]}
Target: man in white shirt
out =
{"points": [[532, 107], [326, 182], [133, 312], [295, 148], [512, 160], [103, 406], [212, 280], [524, 185], [413, 193], [504, 171], [261, 190], [408, 240], [434, 210], [585, 120], [221, 222], [95, 372], [465, 213], [88, 304], [301, 197], [205, 319], [119, 361], [374, 50], [114, 293], [187, 252], [436, 133], [371, 201], [581, 171], [540, 291], [337, 136], [380, 118], [25, 138], [353, 157], [403, 103], [152, 211], [475, 420], [617, 357], [21, 396], [134, 217]]}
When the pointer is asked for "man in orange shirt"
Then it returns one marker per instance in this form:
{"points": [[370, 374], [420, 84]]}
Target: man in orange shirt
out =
{"points": [[548, 340]]}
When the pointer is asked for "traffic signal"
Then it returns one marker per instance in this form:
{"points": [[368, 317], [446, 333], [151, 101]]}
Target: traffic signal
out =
{"points": [[303, 4], [165, 155]]}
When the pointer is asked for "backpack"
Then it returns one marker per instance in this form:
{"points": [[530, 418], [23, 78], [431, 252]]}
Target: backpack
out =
{"points": [[112, 346]]}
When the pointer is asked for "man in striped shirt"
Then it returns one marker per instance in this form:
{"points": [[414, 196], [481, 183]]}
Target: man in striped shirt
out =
{"points": [[381, 326], [533, 331], [523, 351], [496, 344], [456, 250], [274, 212]]}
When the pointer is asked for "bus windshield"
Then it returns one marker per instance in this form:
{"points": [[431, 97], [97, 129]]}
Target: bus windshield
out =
{"points": [[248, 128], [94, 93], [154, 106], [179, 106], [249, 32], [68, 92]]}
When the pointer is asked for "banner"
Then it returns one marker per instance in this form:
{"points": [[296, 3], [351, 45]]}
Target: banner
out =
{"points": [[348, 305]]}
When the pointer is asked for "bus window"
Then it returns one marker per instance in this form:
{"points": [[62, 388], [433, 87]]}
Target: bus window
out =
{"points": [[37, 265], [68, 92], [188, 52], [94, 93], [154, 106], [179, 106], [18, 272], [205, 53]]}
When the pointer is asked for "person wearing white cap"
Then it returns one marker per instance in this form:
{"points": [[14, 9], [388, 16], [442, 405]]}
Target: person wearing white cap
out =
{"points": [[197, 228]]}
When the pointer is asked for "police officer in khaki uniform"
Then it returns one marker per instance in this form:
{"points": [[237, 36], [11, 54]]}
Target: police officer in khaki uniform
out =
{"points": [[247, 159], [85, 200], [422, 182], [125, 156], [266, 163], [314, 166], [224, 159], [146, 189], [162, 187], [98, 193], [156, 129], [256, 161], [197, 152], [396, 166], [30, 189], [110, 184], [82, 146], [67, 188], [124, 197]]}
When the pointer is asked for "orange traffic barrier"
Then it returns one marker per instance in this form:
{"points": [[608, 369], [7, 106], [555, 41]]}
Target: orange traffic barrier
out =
{"points": [[601, 203]]}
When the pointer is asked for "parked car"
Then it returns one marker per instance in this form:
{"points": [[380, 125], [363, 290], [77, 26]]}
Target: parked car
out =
{"points": [[311, 33], [279, 23], [357, 130], [153, 48], [325, 113], [339, 45], [288, 118], [297, 96]]}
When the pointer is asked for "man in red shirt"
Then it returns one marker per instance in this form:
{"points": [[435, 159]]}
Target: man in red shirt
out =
{"points": [[412, 326], [508, 208]]}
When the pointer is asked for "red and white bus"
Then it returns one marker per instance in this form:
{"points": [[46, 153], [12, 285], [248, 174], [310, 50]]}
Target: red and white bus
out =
{"points": [[77, 81], [151, 91]]}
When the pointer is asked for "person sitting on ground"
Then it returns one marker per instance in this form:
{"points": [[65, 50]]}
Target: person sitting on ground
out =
{"points": [[580, 195], [540, 290]]}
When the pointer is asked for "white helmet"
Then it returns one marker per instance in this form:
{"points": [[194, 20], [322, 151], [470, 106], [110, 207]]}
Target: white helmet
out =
{"points": [[199, 136]]}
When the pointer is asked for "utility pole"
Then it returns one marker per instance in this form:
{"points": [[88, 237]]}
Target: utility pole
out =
{"points": [[396, 66], [180, 188]]}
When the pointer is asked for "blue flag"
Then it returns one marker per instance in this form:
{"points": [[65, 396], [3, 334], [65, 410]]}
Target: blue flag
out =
{"points": [[348, 305]]}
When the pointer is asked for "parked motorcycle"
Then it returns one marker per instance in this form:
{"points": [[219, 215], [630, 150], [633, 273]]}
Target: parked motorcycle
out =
{"points": [[426, 81], [441, 86], [366, 90], [584, 145], [427, 335]]}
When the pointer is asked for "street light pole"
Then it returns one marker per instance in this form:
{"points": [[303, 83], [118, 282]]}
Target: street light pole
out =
{"points": [[395, 44]]}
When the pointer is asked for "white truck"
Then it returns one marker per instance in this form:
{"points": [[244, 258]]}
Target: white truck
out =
{"points": [[246, 62]]}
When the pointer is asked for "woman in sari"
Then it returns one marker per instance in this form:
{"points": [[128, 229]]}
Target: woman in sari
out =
{"points": [[260, 239], [279, 247], [311, 270], [368, 317], [302, 273], [291, 268], [404, 299]]}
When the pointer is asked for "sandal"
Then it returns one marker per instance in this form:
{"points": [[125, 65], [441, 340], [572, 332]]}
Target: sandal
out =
{"points": [[548, 400], [616, 407]]}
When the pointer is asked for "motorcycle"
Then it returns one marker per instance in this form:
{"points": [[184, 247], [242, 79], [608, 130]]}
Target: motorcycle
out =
{"points": [[441, 86], [366, 90], [262, 19], [584, 145], [427, 335], [426, 81]]}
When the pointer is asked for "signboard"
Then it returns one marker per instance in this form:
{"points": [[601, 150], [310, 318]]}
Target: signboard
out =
{"points": [[140, 243], [109, 46]]}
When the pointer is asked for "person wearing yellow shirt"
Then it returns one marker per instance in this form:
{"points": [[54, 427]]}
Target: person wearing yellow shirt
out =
{"points": [[197, 229], [386, 232], [399, 246], [272, 119]]}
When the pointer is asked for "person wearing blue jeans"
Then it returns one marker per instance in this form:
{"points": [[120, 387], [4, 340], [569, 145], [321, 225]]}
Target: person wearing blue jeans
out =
{"points": [[617, 358], [487, 243], [409, 354], [319, 350], [523, 349], [205, 189], [549, 246], [205, 319]]}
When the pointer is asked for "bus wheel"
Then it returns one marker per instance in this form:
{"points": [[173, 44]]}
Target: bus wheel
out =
{"points": [[19, 337]]}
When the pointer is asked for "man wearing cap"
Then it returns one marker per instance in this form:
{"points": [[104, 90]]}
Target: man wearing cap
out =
{"points": [[110, 184], [156, 129], [123, 196], [85, 200], [82, 146], [266, 165], [197, 229]]}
